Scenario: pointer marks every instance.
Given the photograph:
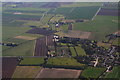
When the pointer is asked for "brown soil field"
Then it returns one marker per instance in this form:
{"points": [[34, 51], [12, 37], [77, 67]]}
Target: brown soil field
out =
{"points": [[25, 37], [8, 66], [78, 34], [26, 71], [41, 45], [58, 73]]}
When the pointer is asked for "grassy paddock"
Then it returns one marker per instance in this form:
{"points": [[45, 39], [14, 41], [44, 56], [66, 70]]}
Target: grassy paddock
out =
{"points": [[80, 51], [10, 32], [100, 26], [83, 4], [73, 51], [92, 72], [114, 73], [32, 61], [24, 49], [63, 61]]}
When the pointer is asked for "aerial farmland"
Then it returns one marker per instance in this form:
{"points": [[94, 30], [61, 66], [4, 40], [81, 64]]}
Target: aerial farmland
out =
{"points": [[60, 40]]}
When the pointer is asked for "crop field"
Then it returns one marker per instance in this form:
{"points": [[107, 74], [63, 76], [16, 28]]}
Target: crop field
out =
{"points": [[11, 32], [116, 42], [114, 73], [27, 10], [25, 37], [40, 31], [68, 62], [32, 61], [109, 12], [58, 73], [46, 18], [111, 5], [77, 34], [92, 72], [63, 51], [98, 31], [83, 4], [41, 48], [20, 17], [72, 50], [80, 51], [56, 18], [64, 27], [24, 49], [51, 5], [76, 12], [8, 66], [26, 71]]}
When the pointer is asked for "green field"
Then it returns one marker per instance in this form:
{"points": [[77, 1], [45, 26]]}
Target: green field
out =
{"points": [[92, 72], [116, 42], [27, 10], [11, 32], [114, 73], [64, 27], [100, 26], [76, 12], [32, 61], [80, 51], [63, 61], [24, 49], [46, 18], [56, 18], [26, 71], [83, 4], [73, 51]]}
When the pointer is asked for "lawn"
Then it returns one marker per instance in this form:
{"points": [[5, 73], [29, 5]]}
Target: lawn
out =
{"points": [[24, 49], [80, 51], [26, 71], [114, 73], [73, 51], [32, 61], [100, 26], [63, 61], [92, 72]]}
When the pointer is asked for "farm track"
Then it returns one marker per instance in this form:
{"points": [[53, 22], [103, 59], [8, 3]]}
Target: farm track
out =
{"points": [[41, 45], [8, 66]]}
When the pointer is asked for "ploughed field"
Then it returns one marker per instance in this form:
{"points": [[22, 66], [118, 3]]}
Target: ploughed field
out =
{"points": [[40, 31], [109, 12], [58, 73], [41, 45], [8, 66]]}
